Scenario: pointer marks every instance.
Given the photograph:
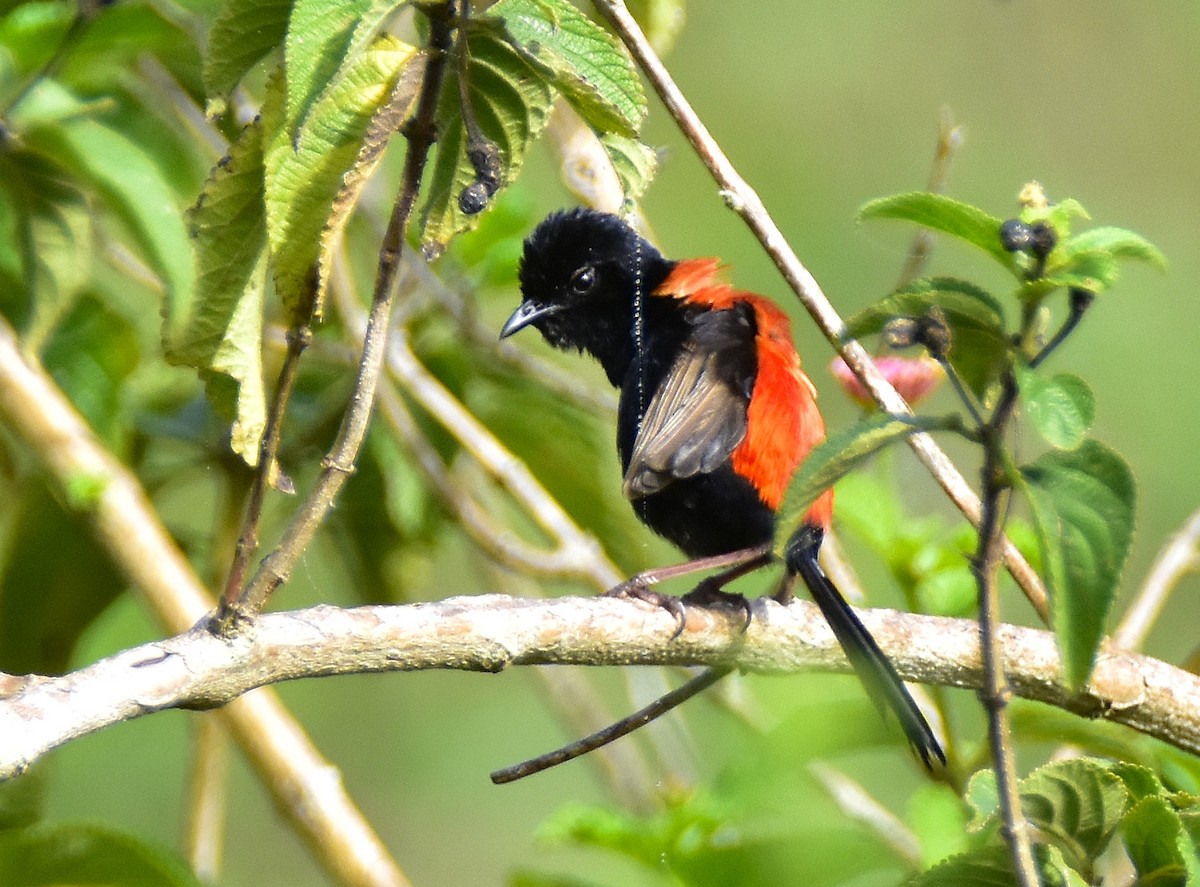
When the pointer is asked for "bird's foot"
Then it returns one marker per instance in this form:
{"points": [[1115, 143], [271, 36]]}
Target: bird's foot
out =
{"points": [[636, 590], [710, 595]]}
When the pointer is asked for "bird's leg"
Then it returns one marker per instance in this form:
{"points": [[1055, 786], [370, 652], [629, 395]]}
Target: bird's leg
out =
{"points": [[708, 593]]}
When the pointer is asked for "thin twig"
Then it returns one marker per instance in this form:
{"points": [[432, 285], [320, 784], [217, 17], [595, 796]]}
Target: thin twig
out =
{"points": [[614, 731], [995, 693], [1180, 556], [743, 200], [338, 464], [488, 633], [121, 516], [266, 472]]}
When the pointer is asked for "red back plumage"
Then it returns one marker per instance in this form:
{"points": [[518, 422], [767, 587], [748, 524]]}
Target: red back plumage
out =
{"points": [[783, 422]]}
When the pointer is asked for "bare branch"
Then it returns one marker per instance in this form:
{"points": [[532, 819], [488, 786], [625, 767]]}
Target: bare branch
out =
{"points": [[743, 200], [491, 632]]}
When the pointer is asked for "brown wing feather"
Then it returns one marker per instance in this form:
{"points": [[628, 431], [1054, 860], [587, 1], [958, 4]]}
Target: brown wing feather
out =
{"points": [[693, 423]]}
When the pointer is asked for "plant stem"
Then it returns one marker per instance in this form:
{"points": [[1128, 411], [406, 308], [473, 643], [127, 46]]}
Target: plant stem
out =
{"points": [[338, 464], [298, 338], [995, 693]]}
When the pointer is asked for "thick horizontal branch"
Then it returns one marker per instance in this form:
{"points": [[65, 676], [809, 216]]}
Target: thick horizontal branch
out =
{"points": [[491, 632]]}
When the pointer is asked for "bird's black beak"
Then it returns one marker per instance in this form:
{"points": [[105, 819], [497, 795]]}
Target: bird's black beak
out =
{"points": [[526, 313]]}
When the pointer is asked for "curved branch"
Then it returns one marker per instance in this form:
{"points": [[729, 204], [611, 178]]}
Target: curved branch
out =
{"points": [[492, 632]]}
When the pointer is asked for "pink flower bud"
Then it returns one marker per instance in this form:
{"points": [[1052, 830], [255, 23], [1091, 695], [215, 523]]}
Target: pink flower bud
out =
{"points": [[914, 377]]}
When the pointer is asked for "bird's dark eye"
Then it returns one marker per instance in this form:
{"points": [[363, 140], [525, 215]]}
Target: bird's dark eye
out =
{"points": [[583, 281]]}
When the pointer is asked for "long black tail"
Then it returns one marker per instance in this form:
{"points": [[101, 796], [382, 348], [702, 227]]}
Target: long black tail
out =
{"points": [[872, 666]]}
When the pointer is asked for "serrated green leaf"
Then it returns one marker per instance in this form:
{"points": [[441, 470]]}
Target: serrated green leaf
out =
{"points": [[48, 855], [1118, 242], [243, 33], [304, 169], [512, 106], [1079, 803], [1061, 407], [633, 162], [1083, 508], [1153, 833], [945, 214], [988, 866], [974, 316], [833, 459], [582, 60], [315, 49], [220, 331]]}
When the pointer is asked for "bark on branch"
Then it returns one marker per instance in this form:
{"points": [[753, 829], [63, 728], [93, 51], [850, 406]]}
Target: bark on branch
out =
{"points": [[491, 632]]}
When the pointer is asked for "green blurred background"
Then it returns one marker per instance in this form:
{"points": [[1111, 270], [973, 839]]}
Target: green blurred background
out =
{"points": [[822, 106]]}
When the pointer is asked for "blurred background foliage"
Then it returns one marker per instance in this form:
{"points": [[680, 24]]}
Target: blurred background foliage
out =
{"points": [[822, 106]]}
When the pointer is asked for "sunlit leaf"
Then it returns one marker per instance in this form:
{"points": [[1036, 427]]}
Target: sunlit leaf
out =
{"points": [[1083, 508], [634, 163], [220, 331], [582, 60], [945, 214], [243, 33], [1060, 407], [512, 105], [319, 33], [304, 170]]}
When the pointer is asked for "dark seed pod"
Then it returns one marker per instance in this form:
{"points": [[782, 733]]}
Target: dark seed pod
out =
{"points": [[474, 198], [1042, 239], [1015, 236]]}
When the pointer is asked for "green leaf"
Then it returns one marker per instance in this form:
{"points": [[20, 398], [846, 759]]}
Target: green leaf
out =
{"points": [[244, 32], [54, 236], [315, 49], [512, 105], [833, 459], [1061, 408], [1154, 838], [304, 170], [51, 855], [132, 186], [1058, 216], [1078, 803], [937, 816], [220, 331], [940, 213], [973, 315], [1083, 508], [633, 162], [1093, 271], [1118, 242], [582, 61]]}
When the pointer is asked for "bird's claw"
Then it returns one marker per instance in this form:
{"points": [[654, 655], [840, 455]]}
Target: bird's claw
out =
{"points": [[711, 596], [639, 591]]}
